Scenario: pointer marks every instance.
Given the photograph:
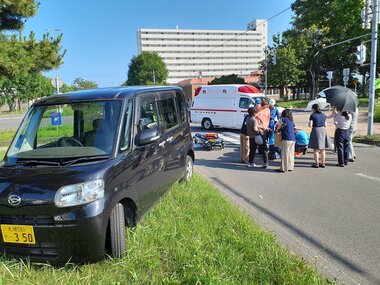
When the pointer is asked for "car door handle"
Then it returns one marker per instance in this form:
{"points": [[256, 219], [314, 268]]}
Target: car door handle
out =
{"points": [[170, 139], [162, 144]]}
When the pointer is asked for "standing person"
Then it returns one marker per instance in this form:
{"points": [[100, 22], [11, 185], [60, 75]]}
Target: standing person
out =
{"points": [[319, 140], [252, 131], [263, 118], [258, 104], [274, 118], [288, 141], [244, 142], [353, 129], [342, 121]]}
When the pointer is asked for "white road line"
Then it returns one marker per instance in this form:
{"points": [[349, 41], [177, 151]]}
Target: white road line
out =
{"points": [[230, 140], [231, 134], [368, 177], [10, 118]]}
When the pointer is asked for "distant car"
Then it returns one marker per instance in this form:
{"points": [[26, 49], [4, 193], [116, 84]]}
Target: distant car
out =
{"points": [[321, 102]]}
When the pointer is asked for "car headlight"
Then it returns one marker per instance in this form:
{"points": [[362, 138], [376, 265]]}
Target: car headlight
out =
{"points": [[79, 194]]}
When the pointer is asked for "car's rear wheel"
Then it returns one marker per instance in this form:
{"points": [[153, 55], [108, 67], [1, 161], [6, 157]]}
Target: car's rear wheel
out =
{"points": [[117, 232], [188, 170], [207, 124]]}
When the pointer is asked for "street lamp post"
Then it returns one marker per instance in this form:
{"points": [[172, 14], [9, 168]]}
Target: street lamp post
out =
{"points": [[154, 76], [373, 67], [56, 80]]}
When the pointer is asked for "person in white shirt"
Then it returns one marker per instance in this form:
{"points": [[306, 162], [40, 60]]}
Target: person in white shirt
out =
{"points": [[342, 121]]}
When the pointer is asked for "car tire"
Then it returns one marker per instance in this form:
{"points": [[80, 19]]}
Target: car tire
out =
{"points": [[207, 124], [117, 232], [189, 169]]}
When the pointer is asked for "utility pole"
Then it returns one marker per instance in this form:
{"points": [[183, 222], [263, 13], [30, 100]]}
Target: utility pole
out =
{"points": [[154, 76], [266, 69], [373, 66]]}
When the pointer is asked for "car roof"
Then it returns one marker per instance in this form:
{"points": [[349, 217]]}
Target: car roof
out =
{"points": [[102, 94]]}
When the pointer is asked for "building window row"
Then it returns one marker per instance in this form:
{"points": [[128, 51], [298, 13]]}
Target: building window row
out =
{"points": [[199, 45], [199, 40], [234, 70], [208, 64], [198, 53], [242, 33], [214, 58]]}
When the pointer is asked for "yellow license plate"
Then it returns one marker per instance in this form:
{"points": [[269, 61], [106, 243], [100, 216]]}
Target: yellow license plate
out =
{"points": [[18, 234]]}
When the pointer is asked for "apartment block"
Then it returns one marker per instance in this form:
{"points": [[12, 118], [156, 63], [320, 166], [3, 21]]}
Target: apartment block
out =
{"points": [[190, 54]]}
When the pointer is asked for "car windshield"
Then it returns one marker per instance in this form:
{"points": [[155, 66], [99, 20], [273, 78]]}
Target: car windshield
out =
{"points": [[60, 133]]}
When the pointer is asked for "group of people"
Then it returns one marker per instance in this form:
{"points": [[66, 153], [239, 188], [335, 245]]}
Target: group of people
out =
{"points": [[264, 121], [346, 125], [255, 125]]}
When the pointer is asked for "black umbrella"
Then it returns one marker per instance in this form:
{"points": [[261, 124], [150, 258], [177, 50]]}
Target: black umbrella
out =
{"points": [[342, 98]]}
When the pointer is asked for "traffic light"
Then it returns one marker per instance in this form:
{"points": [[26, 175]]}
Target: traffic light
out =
{"points": [[360, 54], [366, 15]]}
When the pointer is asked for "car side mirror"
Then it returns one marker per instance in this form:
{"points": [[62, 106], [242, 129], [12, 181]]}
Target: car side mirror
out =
{"points": [[147, 136]]}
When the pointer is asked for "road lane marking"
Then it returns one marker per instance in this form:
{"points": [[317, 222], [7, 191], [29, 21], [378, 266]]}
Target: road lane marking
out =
{"points": [[229, 139], [368, 177]]}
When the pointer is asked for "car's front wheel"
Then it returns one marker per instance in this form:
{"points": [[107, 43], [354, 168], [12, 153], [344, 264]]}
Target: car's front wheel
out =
{"points": [[116, 232]]}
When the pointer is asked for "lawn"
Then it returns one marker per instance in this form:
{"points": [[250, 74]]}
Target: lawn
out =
{"points": [[193, 236]]}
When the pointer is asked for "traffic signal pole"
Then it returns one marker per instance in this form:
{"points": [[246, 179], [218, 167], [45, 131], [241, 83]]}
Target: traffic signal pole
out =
{"points": [[372, 67]]}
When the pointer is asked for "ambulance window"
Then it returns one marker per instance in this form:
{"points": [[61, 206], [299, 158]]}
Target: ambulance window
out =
{"points": [[244, 103]]}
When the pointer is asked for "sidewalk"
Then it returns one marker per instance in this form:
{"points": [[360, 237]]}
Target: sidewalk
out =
{"points": [[301, 120]]}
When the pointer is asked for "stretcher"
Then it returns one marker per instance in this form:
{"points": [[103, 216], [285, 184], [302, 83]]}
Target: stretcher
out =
{"points": [[209, 140]]}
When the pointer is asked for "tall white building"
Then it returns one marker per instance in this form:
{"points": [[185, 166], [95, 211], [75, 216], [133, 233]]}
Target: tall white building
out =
{"points": [[207, 53]]}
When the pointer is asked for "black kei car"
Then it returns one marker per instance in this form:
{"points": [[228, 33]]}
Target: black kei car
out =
{"points": [[84, 165]]}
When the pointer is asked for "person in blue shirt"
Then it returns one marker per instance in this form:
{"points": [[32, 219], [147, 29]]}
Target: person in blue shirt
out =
{"points": [[319, 140], [302, 141], [287, 127], [274, 118]]}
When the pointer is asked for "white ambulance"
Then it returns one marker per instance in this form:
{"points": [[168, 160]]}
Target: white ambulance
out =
{"points": [[223, 105]]}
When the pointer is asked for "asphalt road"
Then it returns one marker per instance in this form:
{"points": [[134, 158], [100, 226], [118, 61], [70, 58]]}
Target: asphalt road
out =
{"points": [[330, 216], [10, 122]]}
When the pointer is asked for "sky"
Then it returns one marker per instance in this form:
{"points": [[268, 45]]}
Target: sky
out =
{"points": [[100, 37]]}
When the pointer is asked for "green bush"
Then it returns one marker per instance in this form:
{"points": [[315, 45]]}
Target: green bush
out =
{"points": [[376, 117]]}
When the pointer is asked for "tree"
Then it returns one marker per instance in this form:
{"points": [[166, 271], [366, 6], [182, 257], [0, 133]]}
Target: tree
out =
{"points": [[286, 71], [25, 87], [13, 13], [227, 79], [148, 68], [22, 58], [19, 55], [81, 84], [325, 22]]}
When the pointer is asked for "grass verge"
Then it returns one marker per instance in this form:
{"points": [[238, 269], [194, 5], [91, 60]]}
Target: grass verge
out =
{"points": [[6, 137], [293, 103], [371, 139], [193, 236]]}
